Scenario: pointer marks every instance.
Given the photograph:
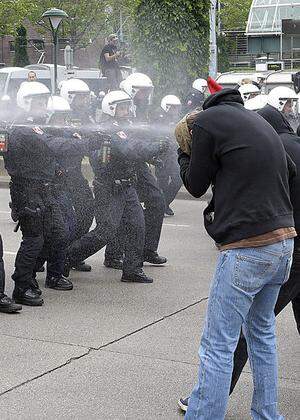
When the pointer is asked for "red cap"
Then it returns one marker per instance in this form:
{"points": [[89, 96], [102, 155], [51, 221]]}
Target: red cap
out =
{"points": [[213, 86]]}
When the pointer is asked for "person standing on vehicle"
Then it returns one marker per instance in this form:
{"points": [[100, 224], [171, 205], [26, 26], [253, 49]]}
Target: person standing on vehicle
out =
{"points": [[109, 62]]}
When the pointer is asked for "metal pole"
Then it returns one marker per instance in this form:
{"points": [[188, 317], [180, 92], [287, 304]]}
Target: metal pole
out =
{"points": [[213, 40], [54, 87], [219, 18], [121, 26]]}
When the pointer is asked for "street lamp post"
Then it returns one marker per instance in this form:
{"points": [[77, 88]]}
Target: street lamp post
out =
{"points": [[55, 17]]}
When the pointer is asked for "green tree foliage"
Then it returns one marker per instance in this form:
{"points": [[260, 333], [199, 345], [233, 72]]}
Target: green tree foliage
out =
{"points": [[88, 19], [12, 14], [21, 57], [234, 14], [170, 42]]}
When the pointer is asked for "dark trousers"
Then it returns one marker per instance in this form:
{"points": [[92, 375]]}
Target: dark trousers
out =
{"points": [[168, 178], [42, 227], [68, 219], [83, 203], [289, 292], [154, 208], [114, 78], [111, 210], [2, 272]]}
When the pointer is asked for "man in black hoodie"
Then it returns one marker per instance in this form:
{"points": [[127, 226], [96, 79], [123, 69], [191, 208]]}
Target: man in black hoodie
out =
{"points": [[290, 291], [251, 219]]}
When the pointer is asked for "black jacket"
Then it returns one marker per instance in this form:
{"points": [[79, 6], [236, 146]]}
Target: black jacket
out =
{"points": [[291, 143], [238, 152], [33, 152], [131, 146]]}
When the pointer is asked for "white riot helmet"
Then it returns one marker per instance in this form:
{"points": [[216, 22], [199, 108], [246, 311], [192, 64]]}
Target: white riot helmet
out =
{"points": [[59, 110], [280, 96], [112, 99], [73, 87], [248, 91], [136, 82], [200, 85], [170, 101], [256, 103], [58, 104], [31, 91]]}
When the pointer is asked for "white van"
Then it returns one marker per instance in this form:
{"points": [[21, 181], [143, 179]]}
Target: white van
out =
{"points": [[12, 77], [92, 77]]}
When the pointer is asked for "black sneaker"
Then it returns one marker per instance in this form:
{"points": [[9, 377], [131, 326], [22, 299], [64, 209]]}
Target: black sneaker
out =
{"points": [[136, 277], [183, 404], [152, 257], [113, 263], [8, 306], [82, 266], [58, 283], [27, 297], [169, 212]]}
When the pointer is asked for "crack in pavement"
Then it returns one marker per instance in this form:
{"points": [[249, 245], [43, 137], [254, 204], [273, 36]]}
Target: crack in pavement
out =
{"points": [[40, 340], [92, 349]]}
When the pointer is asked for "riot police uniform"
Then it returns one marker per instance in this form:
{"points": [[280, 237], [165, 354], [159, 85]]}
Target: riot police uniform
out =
{"points": [[30, 161], [148, 190], [78, 187], [117, 203], [196, 97]]}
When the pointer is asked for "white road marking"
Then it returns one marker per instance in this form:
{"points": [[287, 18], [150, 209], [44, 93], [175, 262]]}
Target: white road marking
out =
{"points": [[9, 253], [4, 212], [175, 225]]}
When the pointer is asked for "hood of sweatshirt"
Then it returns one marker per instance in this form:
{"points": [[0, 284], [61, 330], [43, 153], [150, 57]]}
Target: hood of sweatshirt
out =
{"points": [[276, 119], [223, 96]]}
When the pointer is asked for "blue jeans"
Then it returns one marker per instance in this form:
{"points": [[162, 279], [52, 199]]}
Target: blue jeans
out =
{"points": [[243, 295]]}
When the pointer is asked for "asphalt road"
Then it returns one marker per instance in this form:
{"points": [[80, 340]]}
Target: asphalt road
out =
{"points": [[111, 350]]}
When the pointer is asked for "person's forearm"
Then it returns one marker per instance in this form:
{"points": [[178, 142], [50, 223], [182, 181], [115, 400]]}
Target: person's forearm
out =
{"points": [[111, 57]]}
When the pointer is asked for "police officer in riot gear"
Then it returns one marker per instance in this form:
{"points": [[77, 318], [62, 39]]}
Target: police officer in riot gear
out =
{"points": [[168, 174], [248, 91], [140, 87], [31, 164], [116, 200], [286, 101], [59, 111], [32, 100], [196, 96], [77, 93]]}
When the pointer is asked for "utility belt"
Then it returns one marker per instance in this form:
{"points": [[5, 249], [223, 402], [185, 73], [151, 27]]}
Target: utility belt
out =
{"points": [[31, 197], [118, 185]]}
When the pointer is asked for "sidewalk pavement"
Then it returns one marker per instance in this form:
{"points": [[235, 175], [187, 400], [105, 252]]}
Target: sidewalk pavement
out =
{"points": [[113, 351]]}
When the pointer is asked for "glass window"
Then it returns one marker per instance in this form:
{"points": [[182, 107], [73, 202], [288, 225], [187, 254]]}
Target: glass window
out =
{"points": [[262, 16], [262, 19], [289, 2], [12, 46]]}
